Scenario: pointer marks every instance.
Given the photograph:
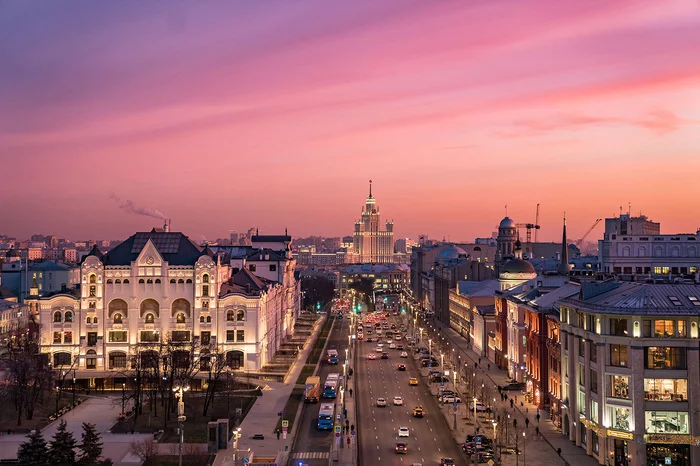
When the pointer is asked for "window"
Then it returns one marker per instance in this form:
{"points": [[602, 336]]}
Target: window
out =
{"points": [[94, 320], [646, 328], [117, 360], [594, 380], [620, 418], [660, 357], [180, 318], [205, 362], [117, 318], [205, 304], [92, 305], [57, 337], [69, 316], [157, 281], [681, 329], [91, 360], [93, 291], [149, 281], [67, 337], [230, 316], [117, 336], [172, 281], [205, 338], [126, 281], [57, 316], [663, 328], [205, 278], [180, 335], [581, 375], [582, 402], [234, 359], [208, 319], [594, 411], [619, 386], [181, 281], [618, 327], [62, 359], [93, 279], [240, 316], [92, 338], [89, 320], [230, 335], [205, 290], [240, 336], [188, 281], [666, 389], [201, 319], [660, 422], [273, 267], [150, 336], [594, 351], [581, 346], [618, 355], [251, 267], [141, 281], [149, 318]]}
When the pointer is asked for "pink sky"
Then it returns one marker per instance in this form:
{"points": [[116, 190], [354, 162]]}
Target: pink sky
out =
{"points": [[226, 115]]}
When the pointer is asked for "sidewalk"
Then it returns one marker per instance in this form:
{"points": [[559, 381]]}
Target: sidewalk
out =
{"points": [[262, 417], [540, 450], [347, 455]]}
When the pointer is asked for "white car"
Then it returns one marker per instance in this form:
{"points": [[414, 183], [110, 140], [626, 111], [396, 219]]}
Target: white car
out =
{"points": [[398, 401], [381, 402], [455, 399], [403, 432], [371, 356], [479, 407], [404, 354], [392, 346], [378, 349]]}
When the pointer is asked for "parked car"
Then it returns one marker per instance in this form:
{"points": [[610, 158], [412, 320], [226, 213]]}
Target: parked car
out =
{"points": [[514, 386], [451, 399], [479, 407]]}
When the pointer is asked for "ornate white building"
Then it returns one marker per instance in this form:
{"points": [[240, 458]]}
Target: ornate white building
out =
{"points": [[158, 286], [370, 244]]}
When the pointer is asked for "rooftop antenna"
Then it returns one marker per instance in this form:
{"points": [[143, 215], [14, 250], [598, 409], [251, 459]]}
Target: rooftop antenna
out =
{"points": [[629, 209], [506, 210]]}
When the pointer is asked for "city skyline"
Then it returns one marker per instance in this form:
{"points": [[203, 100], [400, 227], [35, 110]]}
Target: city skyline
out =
{"points": [[211, 114]]}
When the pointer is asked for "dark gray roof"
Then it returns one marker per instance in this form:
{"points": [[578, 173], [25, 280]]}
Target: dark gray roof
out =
{"points": [[638, 298], [518, 266], [260, 255], [244, 282], [12, 253], [176, 248], [48, 266], [270, 238], [234, 252], [6, 293]]}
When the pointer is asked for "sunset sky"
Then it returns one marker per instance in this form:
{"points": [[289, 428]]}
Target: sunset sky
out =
{"points": [[224, 115]]}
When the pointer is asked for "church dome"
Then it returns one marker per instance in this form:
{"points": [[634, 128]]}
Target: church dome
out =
{"points": [[450, 253], [518, 266], [507, 223]]}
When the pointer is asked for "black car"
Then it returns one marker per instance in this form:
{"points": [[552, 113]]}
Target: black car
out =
{"points": [[402, 448], [447, 462], [514, 386], [402, 367], [439, 378], [385, 355]]}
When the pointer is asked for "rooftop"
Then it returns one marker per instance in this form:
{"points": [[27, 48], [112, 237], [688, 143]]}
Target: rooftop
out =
{"points": [[176, 248]]}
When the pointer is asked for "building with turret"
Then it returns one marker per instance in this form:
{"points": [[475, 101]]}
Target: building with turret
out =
{"points": [[370, 244]]}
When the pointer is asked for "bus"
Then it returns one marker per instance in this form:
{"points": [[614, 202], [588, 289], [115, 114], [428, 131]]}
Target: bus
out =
{"points": [[330, 388], [326, 412]]}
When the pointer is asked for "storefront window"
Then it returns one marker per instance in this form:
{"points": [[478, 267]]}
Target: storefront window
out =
{"points": [[594, 411], [620, 418], [677, 455], [582, 402], [619, 385], [682, 330], [663, 328], [660, 357], [659, 422], [666, 389]]}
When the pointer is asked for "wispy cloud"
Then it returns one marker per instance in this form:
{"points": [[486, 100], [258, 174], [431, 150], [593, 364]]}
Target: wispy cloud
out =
{"points": [[130, 207]]}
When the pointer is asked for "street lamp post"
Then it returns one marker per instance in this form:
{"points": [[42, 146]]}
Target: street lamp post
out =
{"points": [[430, 348], [181, 418], [73, 387], [475, 422], [123, 396], [454, 384], [236, 436], [524, 449]]}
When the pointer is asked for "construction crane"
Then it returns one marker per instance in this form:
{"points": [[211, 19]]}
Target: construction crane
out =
{"points": [[537, 220], [529, 227], [578, 242]]}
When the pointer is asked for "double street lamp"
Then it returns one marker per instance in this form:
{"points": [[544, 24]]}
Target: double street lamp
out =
{"points": [[181, 418]]}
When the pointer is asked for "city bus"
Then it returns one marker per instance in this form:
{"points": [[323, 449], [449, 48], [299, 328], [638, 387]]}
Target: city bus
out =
{"points": [[326, 412], [330, 388]]}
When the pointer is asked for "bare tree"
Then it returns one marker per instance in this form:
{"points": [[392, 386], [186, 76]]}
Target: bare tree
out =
{"points": [[214, 364], [144, 449]]}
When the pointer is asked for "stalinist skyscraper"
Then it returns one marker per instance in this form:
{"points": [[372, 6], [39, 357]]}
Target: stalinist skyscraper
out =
{"points": [[370, 244]]}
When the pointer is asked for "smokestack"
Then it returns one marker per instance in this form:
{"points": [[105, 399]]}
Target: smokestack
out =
{"points": [[165, 226]]}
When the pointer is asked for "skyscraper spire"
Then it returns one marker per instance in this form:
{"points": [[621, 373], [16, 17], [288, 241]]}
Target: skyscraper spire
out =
{"points": [[563, 268], [370, 189]]}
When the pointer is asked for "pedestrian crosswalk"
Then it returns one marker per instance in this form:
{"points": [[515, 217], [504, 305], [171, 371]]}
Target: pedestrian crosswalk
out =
{"points": [[310, 454]]}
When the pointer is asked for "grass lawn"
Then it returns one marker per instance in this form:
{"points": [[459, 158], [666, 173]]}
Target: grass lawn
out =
{"points": [[295, 399], [196, 424], [306, 372], [42, 411], [187, 460], [317, 349]]}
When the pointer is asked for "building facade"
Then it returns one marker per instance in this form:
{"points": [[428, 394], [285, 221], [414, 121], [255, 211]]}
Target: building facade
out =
{"points": [[370, 244], [387, 278]]}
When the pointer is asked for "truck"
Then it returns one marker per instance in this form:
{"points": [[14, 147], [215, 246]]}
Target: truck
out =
{"points": [[312, 390]]}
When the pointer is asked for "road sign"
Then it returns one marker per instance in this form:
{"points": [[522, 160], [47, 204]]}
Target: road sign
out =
{"points": [[442, 384], [337, 440], [285, 423], [246, 460], [490, 462], [337, 435], [337, 417], [454, 409], [338, 429]]}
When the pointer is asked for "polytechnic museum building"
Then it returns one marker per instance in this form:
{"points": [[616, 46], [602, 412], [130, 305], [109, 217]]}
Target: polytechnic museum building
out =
{"points": [[630, 370], [159, 287]]}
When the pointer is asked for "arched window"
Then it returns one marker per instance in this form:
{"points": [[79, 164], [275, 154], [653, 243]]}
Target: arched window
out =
{"points": [[240, 315], [691, 251], [180, 305], [118, 305], [234, 359], [189, 280], [626, 251], [205, 278], [230, 316], [93, 278], [157, 280], [208, 319], [61, 359], [109, 281], [94, 320], [118, 281], [57, 316], [180, 318], [117, 318], [69, 316], [89, 320], [675, 252], [181, 281], [149, 318], [141, 281], [117, 360], [642, 251], [201, 319], [126, 280], [150, 305], [149, 359], [149, 281], [172, 280]]}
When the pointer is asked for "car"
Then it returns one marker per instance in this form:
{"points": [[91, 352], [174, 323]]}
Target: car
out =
{"points": [[392, 346], [371, 356], [451, 399], [389, 340], [413, 381], [401, 367], [446, 393], [385, 355], [514, 386], [378, 349], [381, 402], [429, 363], [439, 378], [404, 354], [401, 448], [393, 326], [447, 462], [418, 411], [398, 401], [403, 432], [397, 337], [479, 407], [369, 340]]}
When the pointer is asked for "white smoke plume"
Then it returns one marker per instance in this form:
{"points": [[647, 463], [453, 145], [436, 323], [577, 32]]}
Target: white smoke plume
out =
{"points": [[130, 207]]}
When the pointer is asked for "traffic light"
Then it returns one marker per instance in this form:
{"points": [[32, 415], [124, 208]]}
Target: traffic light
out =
{"points": [[318, 306], [403, 310]]}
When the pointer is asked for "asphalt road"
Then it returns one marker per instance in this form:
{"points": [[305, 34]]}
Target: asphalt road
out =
{"points": [[430, 438], [312, 446]]}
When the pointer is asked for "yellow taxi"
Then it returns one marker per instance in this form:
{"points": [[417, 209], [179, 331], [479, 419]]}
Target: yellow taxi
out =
{"points": [[413, 381], [418, 411]]}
